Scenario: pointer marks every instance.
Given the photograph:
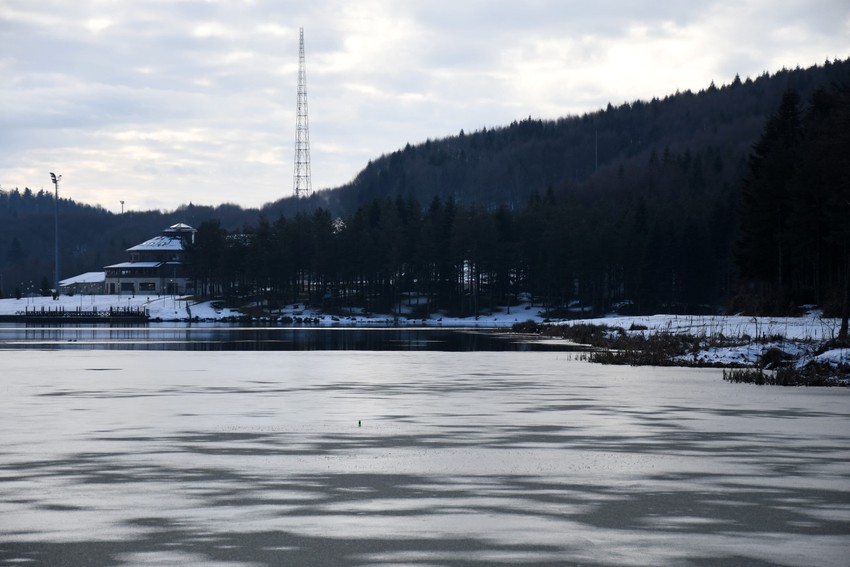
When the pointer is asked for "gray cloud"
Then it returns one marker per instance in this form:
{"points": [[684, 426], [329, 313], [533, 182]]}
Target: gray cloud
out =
{"points": [[161, 103]]}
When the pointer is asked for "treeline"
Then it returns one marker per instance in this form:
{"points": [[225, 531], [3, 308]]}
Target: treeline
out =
{"points": [[563, 251], [686, 232], [794, 225]]}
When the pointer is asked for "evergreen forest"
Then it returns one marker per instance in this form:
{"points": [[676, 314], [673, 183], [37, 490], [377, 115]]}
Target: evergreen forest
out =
{"points": [[733, 198]]}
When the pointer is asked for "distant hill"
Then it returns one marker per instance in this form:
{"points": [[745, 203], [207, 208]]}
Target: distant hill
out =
{"points": [[507, 165], [686, 148]]}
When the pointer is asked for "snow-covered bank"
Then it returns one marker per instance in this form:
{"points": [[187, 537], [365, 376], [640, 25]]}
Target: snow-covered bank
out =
{"points": [[811, 327], [502, 317], [166, 308], [734, 340], [176, 308]]}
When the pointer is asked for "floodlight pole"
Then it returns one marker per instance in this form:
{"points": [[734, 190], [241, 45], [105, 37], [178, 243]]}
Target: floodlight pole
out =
{"points": [[55, 179]]}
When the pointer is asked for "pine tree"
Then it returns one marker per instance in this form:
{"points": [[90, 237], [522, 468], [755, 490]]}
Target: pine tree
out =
{"points": [[765, 207]]}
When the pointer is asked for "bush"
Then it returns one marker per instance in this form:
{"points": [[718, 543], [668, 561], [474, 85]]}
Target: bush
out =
{"points": [[810, 375]]}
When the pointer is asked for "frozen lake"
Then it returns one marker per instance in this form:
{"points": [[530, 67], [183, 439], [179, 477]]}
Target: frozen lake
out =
{"points": [[360, 457]]}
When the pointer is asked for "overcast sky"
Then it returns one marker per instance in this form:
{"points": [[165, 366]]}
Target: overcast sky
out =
{"points": [[164, 102]]}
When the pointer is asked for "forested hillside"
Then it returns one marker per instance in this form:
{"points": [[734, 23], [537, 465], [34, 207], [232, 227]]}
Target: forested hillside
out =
{"points": [[793, 239], [633, 207], [676, 237], [714, 128], [668, 231]]}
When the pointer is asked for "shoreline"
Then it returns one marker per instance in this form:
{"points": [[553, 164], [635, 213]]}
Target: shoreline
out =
{"points": [[799, 357], [187, 309], [799, 350]]}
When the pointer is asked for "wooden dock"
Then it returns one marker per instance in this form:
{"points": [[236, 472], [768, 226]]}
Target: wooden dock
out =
{"points": [[61, 315]]}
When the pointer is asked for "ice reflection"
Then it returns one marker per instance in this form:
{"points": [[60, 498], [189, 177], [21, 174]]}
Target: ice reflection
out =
{"points": [[459, 458], [230, 337]]}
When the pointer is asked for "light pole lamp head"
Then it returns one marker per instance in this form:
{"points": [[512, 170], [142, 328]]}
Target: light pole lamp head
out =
{"points": [[55, 178]]}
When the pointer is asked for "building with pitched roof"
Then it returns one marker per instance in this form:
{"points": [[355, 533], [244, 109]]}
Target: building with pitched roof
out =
{"points": [[156, 266], [90, 283]]}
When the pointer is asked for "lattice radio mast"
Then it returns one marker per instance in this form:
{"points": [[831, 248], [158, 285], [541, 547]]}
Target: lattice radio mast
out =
{"points": [[302, 185]]}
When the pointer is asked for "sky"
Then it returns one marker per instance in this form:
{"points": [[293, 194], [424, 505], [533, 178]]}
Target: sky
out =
{"points": [[161, 103]]}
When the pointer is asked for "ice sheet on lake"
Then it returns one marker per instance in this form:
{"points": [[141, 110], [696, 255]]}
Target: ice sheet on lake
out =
{"points": [[410, 457]]}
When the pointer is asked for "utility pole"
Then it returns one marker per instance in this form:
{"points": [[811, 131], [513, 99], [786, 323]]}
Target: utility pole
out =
{"points": [[302, 185], [55, 179]]}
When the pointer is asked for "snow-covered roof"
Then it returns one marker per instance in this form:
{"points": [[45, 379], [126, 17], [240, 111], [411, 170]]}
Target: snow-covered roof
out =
{"points": [[88, 277], [159, 243], [136, 265]]}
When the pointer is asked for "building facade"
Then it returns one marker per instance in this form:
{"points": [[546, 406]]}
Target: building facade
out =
{"points": [[156, 266], [90, 283]]}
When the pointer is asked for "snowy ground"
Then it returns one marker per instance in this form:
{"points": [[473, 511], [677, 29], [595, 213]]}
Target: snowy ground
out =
{"points": [[167, 308], [170, 308], [809, 327], [798, 337]]}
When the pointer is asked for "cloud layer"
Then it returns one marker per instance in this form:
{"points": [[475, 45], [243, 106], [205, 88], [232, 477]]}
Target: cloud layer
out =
{"points": [[160, 103]]}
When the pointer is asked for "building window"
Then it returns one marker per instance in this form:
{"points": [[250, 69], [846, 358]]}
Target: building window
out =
{"points": [[147, 286], [127, 287]]}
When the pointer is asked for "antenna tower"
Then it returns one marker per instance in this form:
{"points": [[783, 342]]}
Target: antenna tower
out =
{"points": [[302, 185]]}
